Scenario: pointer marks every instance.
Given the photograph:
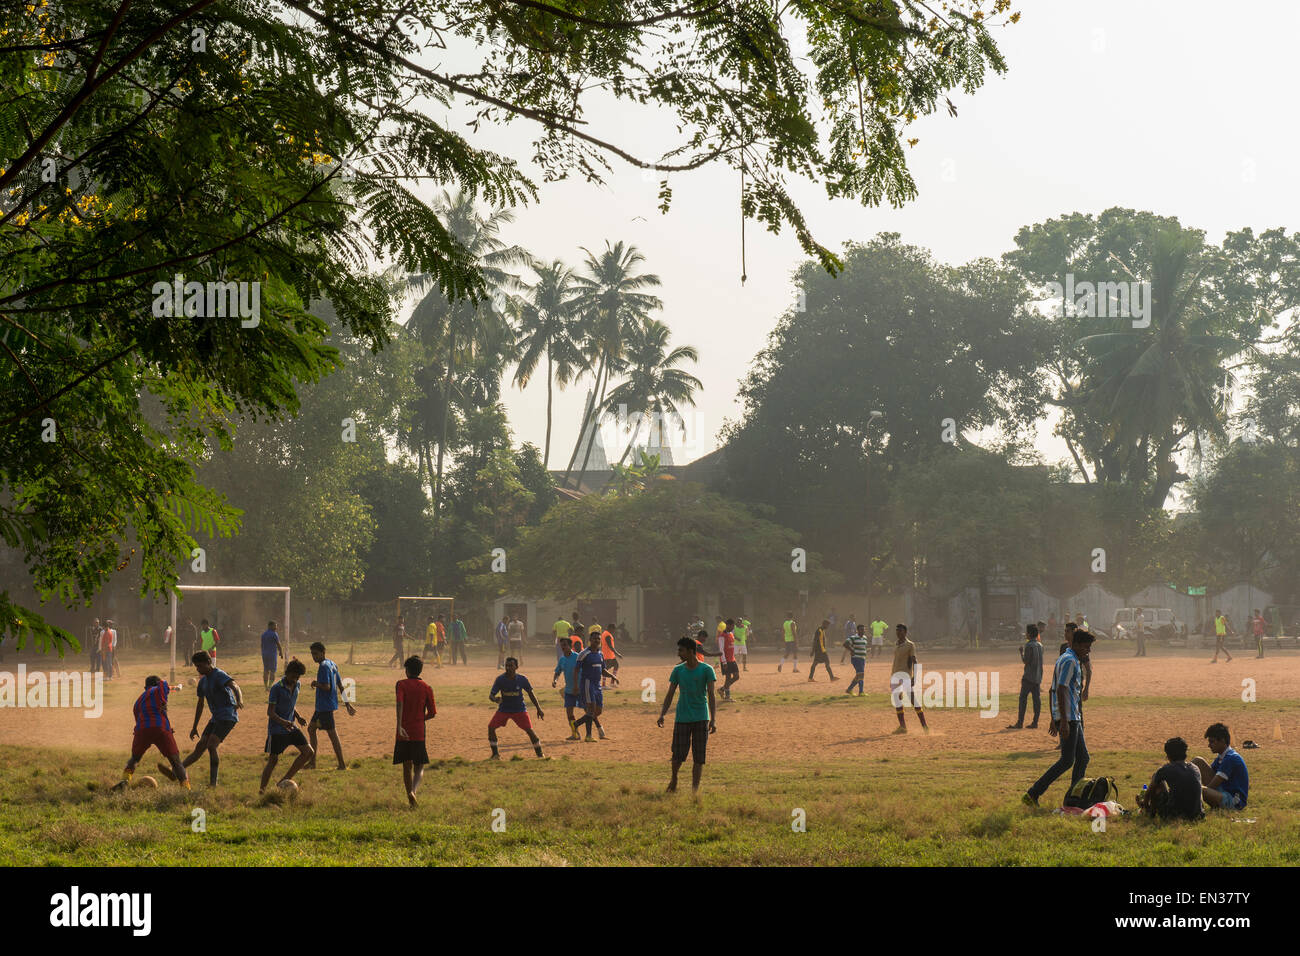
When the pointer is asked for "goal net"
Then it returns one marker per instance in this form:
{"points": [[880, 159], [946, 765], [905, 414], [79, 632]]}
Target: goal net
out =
{"points": [[417, 612], [239, 614]]}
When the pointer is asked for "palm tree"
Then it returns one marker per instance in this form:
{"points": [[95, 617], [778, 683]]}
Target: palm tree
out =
{"points": [[465, 331], [548, 325], [611, 303], [654, 385], [1156, 386]]}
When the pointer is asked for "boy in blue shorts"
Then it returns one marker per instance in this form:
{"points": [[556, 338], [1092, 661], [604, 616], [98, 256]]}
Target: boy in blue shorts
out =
{"points": [[281, 733], [591, 669], [1227, 784], [224, 699], [272, 654], [328, 686], [567, 665]]}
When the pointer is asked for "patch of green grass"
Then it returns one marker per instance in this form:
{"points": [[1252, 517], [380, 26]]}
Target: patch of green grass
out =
{"points": [[961, 810]]}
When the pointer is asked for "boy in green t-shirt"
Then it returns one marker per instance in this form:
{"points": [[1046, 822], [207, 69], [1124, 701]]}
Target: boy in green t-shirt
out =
{"points": [[696, 708]]}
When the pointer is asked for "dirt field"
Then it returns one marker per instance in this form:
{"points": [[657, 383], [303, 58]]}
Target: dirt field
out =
{"points": [[775, 717]]}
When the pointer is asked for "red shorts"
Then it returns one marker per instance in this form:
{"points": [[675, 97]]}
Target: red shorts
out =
{"points": [[500, 718], [146, 737]]}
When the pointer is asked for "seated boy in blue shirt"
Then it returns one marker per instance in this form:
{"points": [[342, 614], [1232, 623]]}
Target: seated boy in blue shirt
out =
{"points": [[1226, 782]]}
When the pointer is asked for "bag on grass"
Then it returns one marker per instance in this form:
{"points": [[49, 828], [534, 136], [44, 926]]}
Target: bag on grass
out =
{"points": [[1090, 790]]}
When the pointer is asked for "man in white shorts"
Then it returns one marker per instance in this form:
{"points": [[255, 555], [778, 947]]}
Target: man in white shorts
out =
{"points": [[878, 629], [900, 680], [742, 642]]}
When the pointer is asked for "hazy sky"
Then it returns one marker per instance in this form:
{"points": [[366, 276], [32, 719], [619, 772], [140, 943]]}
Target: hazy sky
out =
{"points": [[1183, 108]]}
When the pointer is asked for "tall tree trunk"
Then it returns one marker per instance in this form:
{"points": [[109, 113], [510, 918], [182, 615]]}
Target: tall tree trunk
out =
{"points": [[635, 433], [586, 416], [600, 404], [446, 410], [546, 455]]}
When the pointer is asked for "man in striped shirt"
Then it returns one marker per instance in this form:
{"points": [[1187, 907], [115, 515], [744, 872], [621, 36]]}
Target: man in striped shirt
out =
{"points": [[1067, 688], [857, 645], [153, 729]]}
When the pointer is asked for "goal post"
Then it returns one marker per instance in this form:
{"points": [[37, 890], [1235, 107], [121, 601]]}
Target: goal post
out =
{"points": [[288, 632], [435, 599]]}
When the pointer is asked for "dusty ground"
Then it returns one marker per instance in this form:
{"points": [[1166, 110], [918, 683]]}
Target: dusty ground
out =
{"points": [[776, 716]]}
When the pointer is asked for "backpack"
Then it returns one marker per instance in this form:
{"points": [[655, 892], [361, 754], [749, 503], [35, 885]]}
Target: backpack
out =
{"points": [[1091, 790]]}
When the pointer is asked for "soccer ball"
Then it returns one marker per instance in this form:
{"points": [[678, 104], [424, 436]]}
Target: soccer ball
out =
{"points": [[147, 782], [290, 787]]}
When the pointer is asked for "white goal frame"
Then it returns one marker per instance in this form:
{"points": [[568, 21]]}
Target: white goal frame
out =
{"points": [[225, 587], [427, 597]]}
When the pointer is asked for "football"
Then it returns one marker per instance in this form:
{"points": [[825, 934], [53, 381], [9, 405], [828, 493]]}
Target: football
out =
{"points": [[289, 786], [146, 782]]}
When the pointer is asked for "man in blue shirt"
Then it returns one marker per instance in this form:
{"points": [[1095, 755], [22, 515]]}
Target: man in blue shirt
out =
{"points": [[508, 694], [503, 638], [272, 653], [1227, 784], [224, 699], [568, 666], [281, 734], [591, 669], [1067, 688], [328, 685]]}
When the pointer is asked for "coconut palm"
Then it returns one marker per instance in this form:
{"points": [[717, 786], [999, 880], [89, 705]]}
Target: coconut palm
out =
{"points": [[1156, 386], [548, 326], [654, 386], [470, 334], [611, 303]]}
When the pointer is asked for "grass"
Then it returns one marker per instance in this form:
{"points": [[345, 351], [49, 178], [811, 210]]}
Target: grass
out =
{"points": [[921, 810]]}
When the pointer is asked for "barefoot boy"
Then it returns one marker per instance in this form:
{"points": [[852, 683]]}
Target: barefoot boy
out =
{"points": [[414, 707], [328, 685], [696, 711]]}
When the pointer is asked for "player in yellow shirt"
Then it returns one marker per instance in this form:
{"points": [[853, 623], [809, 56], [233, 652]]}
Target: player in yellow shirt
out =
{"points": [[900, 680], [790, 632], [563, 629]]}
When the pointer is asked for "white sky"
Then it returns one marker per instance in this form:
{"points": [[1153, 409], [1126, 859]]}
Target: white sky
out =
{"points": [[1184, 108]]}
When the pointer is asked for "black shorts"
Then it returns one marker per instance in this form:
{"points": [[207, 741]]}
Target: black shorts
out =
{"points": [[218, 728], [324, 719], [277, 743], [731, 669], [412, 750], [690, 738]]}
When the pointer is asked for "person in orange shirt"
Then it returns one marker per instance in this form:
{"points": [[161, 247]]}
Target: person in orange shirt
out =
{"points": [[611, 656]]}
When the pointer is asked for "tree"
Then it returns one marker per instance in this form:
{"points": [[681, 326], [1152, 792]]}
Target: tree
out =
{"points": [[612, 305], [939, 350], [482, 335], [547, 326], [205, 140], [685, 537], [655, 385], [1131, 396]]}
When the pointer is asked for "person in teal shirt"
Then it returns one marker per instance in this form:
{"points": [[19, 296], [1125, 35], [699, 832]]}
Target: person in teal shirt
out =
{"points": [[696, 708], [459, 636]]}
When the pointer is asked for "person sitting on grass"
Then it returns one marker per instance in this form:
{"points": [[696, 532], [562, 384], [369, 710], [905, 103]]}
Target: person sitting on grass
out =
{"points": [[281, 734], [1226, 784], [1175, 789]]}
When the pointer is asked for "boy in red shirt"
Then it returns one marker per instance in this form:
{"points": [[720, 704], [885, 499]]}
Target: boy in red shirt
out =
{"points": [[414, 706]]}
